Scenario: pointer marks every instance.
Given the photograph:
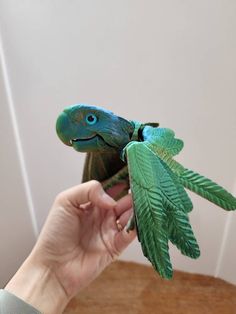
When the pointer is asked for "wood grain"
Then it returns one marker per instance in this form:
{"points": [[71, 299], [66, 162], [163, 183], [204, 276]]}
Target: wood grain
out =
{"points": [[135, 289]]}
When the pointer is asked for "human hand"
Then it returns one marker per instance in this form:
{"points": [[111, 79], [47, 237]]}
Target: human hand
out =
{"points": [[79, 239]]}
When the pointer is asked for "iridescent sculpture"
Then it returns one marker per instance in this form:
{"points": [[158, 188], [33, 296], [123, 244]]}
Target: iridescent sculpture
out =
{"points": [[142, 155]]}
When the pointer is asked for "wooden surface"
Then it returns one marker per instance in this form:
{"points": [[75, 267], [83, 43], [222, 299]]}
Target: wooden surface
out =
{"points": [[135, 289]]}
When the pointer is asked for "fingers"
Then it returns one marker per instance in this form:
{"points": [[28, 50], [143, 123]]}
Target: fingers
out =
{"points": [[90, 191], [123, 205], [124, 218], [123, 239]]}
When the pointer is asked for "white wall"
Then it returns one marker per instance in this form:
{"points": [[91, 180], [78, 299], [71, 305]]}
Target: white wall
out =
{"points": [[167, 61], [16, 229]]}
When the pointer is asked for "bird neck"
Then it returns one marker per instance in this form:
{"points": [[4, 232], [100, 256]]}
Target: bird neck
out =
{"points": [[136, 133]]}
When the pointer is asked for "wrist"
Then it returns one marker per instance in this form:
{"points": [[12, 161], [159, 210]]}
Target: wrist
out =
{"points": [[37, 285]]}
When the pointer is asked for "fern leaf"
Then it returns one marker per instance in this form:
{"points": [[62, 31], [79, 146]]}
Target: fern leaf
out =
{"points": [[163, 141], [207, 189], [148, 207], [187, 204], [181, 233]]}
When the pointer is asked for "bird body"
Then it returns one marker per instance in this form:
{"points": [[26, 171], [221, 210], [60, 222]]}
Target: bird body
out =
{"points": [[142, 155]]}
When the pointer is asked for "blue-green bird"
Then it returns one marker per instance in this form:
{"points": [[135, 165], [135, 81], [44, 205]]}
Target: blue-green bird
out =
{"points": [[142, 155]]}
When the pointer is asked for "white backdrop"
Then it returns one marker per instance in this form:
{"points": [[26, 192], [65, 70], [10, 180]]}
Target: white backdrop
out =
{"points": [[166, 61]]}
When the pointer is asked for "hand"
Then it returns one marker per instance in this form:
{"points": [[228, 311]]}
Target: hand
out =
{"points": [[81, 236], [79, 239]]}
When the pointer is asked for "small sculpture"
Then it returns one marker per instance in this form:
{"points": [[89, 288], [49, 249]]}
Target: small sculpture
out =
{"points": [[142, 155]]}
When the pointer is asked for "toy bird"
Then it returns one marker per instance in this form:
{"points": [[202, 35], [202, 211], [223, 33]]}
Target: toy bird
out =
{"points": [[142, 154]]}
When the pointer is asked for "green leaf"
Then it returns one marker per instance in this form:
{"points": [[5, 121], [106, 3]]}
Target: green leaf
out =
{"points": [[148, 206], [187, 204], [199, 184], [161, 205], [207, 189], [163, 141], [178, 204], [180, 232]]}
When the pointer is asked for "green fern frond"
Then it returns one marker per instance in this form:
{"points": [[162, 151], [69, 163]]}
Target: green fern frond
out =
{"points": [[208, 189], [148, 206], [187, 204], [181, 233]]}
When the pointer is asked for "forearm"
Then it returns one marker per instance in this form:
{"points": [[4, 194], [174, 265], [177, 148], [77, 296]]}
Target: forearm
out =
{"points": [[38, 286]]}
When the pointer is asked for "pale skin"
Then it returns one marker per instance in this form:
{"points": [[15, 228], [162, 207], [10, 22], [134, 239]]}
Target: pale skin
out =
{"points": [[84, 232]]}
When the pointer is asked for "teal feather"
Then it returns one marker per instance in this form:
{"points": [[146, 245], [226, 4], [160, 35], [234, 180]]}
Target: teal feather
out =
{"points": [[159, 208], [208, 189], [187, 204], [148, 206]]}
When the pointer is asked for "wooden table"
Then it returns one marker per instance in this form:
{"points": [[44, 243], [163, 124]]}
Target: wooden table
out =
{"points": [[135, 289]]}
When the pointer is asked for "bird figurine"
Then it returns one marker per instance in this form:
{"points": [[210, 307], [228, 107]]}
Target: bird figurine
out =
{"points": [[142, 155]]}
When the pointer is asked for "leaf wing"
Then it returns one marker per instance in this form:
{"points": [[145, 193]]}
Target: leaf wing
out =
{"points": [[159, 201], [148, 207], [187, 204], [163, 141], [177, 204], [207, 189], [199, 184]]}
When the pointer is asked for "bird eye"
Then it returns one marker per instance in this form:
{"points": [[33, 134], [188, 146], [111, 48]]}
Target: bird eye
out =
{"points": [[91, 119]]}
